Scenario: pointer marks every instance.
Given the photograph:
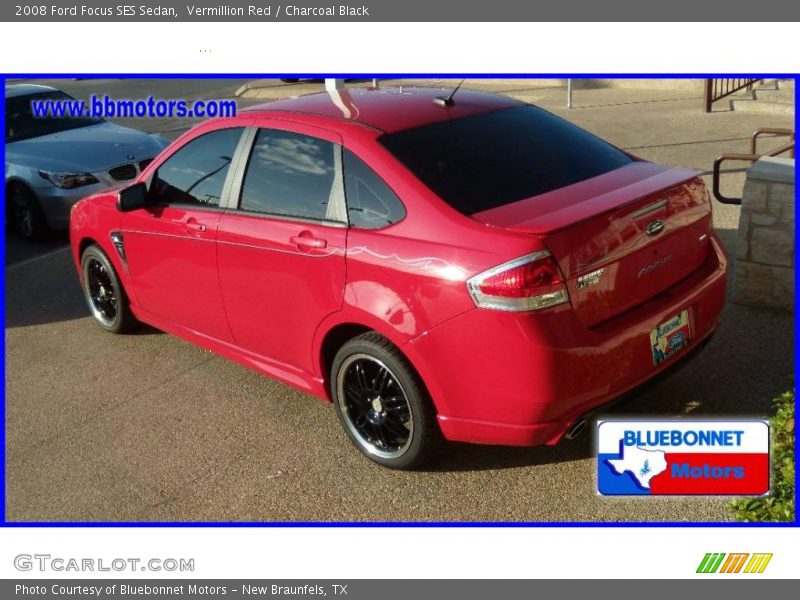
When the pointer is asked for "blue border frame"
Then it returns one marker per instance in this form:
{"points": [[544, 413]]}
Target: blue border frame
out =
{"points": [[327, 524]]}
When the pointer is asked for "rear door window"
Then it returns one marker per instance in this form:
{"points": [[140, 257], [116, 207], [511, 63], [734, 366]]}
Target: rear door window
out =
{"points": [[290, 175]]}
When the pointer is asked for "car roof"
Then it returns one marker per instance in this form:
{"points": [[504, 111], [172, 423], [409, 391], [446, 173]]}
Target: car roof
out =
{"points": [[388, 108], [24, 89]]}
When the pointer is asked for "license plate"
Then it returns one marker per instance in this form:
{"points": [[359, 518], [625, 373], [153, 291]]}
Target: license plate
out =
{"points": [[670, 337]]}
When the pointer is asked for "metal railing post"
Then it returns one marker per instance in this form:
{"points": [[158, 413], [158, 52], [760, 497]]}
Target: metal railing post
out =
{"points": [[709, 95], [569, 93]]}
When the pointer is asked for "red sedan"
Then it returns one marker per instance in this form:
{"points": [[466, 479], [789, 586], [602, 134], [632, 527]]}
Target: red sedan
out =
{"points": [[472, 268]]}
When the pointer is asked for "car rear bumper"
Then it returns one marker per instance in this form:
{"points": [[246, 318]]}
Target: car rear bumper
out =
{"points": [[524, 378]]}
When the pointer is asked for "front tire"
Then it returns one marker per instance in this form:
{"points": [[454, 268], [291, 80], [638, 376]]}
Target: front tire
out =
{"points": [[104, 293], [382, 404]]}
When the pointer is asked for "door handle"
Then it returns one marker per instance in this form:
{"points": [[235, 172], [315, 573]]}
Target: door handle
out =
{"points": [[193, 226], [308, 241]]}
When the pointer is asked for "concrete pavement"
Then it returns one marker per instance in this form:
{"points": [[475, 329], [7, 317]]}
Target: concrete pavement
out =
{"points": [[147, 427]]}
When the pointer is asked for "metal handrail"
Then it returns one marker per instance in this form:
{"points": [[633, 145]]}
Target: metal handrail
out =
{"points": [[774, 131], [717, 89], [752, 157]]}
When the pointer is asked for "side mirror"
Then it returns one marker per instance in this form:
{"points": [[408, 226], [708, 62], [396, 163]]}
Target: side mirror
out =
{"points": [[132, 198]]}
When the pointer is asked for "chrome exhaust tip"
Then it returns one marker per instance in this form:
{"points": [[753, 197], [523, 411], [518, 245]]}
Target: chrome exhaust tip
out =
{"points": [[576, 429]]}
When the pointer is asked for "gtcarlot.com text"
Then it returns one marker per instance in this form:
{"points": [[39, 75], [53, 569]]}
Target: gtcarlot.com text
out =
{"points": [[59, 564]]}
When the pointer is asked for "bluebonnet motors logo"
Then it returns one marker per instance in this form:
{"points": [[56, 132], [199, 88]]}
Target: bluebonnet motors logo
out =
{"points": [[683, 457]]}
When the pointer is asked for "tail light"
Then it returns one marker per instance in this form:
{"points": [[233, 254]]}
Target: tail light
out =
{"points": [[530, 282]]}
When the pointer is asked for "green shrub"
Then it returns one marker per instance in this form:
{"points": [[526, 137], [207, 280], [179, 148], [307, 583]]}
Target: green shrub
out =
{"points": [[779, 505]]}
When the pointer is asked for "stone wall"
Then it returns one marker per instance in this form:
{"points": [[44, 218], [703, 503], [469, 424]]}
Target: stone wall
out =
{"points": [[765, 249]]}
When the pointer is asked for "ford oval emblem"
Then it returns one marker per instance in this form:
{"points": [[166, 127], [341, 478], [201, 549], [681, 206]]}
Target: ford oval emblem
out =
{"points": [[676, 341], [654, 227]]}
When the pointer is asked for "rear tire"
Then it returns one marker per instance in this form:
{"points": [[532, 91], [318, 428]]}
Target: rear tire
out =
{"points": [[25, 213], [382, 403], [104, 293]]}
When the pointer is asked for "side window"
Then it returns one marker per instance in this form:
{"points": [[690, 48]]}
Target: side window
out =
{"points": [[371, 204], [291, 174], [196, 173]]}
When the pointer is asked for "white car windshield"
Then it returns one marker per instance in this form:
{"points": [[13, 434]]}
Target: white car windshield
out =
{"points": [[22, 125]]}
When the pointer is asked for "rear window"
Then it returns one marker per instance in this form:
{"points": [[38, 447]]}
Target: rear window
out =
{"points": [[492, 159]]}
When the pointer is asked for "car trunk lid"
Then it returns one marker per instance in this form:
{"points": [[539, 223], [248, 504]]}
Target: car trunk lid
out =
{"points": [[619, 238]]}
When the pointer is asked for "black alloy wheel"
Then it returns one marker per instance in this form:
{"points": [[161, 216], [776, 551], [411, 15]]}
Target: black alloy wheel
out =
{"points": [[382, 403], [104, 293]]}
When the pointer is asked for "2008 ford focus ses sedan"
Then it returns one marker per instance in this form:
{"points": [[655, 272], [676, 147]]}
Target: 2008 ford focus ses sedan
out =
{"points": [[473, 269]]}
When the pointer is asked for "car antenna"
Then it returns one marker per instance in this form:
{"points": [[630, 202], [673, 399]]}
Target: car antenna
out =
{"points": [[448, 101]]}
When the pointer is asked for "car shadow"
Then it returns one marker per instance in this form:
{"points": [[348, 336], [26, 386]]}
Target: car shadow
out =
{"points": [[458, 457], [44, 289], [20, 250], [144, 329]]}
